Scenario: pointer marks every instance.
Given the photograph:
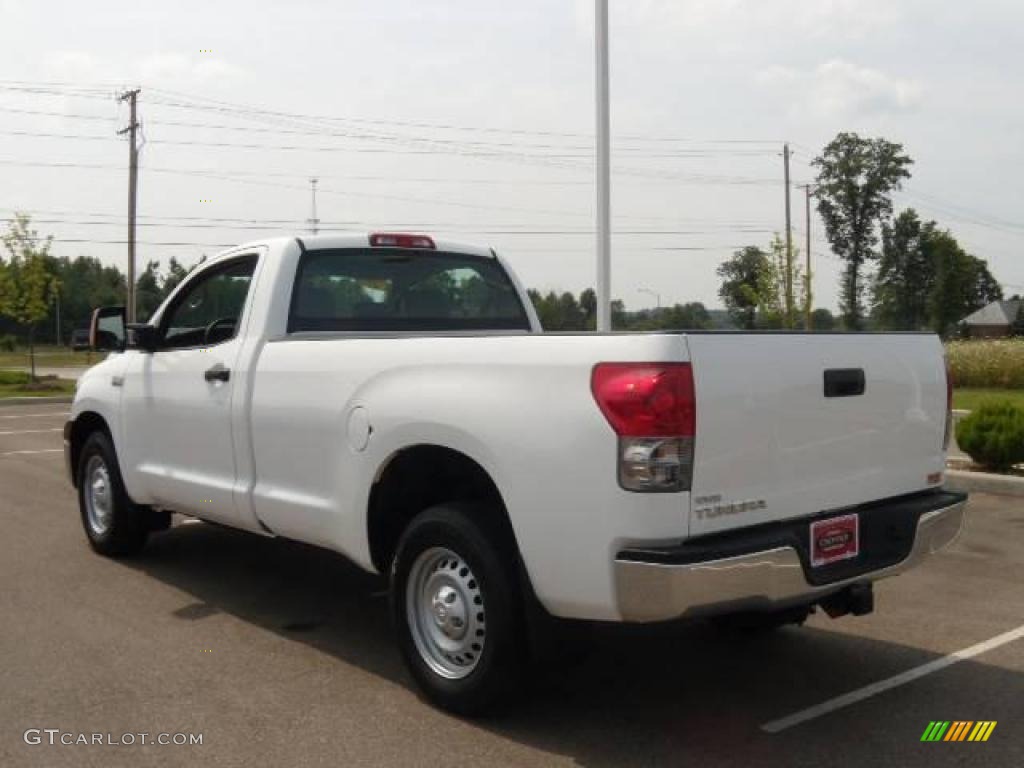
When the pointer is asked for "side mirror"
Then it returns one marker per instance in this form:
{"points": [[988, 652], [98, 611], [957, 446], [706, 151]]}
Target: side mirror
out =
{"points": [[108, 332], [107, 329], [142, 336]]}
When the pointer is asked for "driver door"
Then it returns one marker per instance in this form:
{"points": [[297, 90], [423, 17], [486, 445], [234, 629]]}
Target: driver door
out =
{"points": [[178, 399]]}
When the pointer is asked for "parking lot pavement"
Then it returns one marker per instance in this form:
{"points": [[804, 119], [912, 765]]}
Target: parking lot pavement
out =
{"points": [[281, 654]]}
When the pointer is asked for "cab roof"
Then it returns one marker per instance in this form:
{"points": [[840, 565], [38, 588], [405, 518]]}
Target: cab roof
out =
{"points": [[318, 242]]}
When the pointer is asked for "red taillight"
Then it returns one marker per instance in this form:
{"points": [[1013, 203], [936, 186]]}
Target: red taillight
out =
{"points": [[652, 408], [396, 240], [646, 399]]}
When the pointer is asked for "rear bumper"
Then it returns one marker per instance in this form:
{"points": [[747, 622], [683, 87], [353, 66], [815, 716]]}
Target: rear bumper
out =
{"points": [[766, 567]]}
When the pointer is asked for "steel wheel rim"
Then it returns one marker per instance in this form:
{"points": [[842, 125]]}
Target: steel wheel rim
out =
{"points": [[444, 607], [99, 500]]}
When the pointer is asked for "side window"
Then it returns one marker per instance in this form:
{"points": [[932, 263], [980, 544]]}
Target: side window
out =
{"points": [[207, 311]]}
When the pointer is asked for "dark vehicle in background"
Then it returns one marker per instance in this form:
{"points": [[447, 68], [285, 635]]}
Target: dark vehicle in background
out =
{"points": [[80, 339]]}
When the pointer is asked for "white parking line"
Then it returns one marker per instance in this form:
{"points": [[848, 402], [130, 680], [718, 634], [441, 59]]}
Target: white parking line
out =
{"points": [[22, 453], [31, 431], [36, 415], [775, 726]]}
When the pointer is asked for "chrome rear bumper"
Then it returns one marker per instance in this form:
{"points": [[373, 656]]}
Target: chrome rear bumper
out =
{"points": [[762, 580]]}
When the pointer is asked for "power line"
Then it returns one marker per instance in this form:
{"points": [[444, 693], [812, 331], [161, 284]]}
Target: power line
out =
{"points": [[197, 244], [742, 226], [199, 103], [472, 153], [328, 226], [955, 211], [679, 178], [178, 100]]}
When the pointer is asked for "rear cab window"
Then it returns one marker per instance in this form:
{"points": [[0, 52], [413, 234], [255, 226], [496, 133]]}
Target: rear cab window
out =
{"points": [[401, 289]]}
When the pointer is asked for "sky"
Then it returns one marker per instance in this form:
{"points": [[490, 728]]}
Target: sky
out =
{"points": [[475, 120]]}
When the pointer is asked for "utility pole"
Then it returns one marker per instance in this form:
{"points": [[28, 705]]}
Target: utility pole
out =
{"points": [[604, 215], [789, 243], [313, 221], [56, 296], [655, 294], [809, 305], [133, 185]]}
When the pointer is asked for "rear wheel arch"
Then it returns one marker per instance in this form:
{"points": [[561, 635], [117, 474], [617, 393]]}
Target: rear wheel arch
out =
{"points": [[421, 476]]}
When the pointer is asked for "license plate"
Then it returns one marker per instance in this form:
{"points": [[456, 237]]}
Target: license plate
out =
{"points": [[837, 538]]}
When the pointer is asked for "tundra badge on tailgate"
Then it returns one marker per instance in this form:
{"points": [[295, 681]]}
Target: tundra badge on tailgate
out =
{"points": [[712, 506]]}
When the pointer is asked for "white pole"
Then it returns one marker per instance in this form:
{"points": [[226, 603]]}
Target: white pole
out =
{"points": [[604, 250]]}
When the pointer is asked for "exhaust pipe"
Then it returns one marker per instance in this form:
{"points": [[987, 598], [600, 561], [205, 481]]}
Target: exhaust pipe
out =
{"points": [[856, 599]]}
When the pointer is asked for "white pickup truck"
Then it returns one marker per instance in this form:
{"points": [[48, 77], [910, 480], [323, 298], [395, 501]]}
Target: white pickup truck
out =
{"points": [[394, 399]]}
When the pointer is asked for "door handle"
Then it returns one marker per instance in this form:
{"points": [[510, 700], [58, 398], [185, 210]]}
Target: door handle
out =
{"points": [[217, 373], [844, 382]]}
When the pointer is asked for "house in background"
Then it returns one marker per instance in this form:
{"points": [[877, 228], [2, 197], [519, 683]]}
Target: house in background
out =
{"points": [[992, 321]]}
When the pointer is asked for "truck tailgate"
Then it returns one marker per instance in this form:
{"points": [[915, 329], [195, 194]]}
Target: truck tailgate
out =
{"points": [[786, 429]]}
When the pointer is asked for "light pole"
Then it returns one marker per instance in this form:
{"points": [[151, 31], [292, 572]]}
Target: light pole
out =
{"points": [[603, 141], [655, 294]]}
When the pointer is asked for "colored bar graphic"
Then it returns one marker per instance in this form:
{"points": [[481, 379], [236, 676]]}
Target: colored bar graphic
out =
{"points": [[935, 730], [958, 730]]}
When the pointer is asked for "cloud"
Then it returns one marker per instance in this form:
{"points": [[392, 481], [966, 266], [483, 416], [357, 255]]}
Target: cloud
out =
{"points": [[840, 89], [183, 70], [75, 66], [735, 20], [171, 70]]}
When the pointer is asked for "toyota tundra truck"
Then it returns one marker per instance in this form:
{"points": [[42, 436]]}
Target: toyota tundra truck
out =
{"points": [[392, 398]]}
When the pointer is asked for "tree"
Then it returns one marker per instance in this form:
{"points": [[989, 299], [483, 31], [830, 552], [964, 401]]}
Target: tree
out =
{"points": [[856, 177], [822, 320], [175, 274], [27, 281], [618, 308], [926, 280], [963, 283], [558, 312], [1017, 329], [588, 305], [692, 316], [905, 278], [784, 294], [745, 282], [148, 294]]}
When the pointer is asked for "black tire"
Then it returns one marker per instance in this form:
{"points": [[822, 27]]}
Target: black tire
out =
{"points": [[485, 549], [121, 529]]}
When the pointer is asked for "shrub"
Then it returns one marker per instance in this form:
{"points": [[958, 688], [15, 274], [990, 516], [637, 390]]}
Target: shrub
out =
{"points": [[993, 435], [13, 378], [997, 363], [8, 343]]}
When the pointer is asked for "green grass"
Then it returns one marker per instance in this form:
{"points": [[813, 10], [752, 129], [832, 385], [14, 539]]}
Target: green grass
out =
{"points": [[49, 357], [970, 398], [16, 384]]}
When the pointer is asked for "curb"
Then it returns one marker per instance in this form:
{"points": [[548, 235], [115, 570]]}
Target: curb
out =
{"points": [[985, 482], [6, 401]]}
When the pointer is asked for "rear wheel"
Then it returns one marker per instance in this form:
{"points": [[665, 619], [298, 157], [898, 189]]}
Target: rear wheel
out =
{"points": [[113, 524], [457, 609]]}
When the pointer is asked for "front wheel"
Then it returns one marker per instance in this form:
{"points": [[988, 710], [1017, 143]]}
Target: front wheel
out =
{"points": [[457, 609], [113, 523]]}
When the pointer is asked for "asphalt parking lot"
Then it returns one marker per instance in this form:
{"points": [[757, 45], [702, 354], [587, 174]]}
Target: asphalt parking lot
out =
{"points": [[280, 654]]}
